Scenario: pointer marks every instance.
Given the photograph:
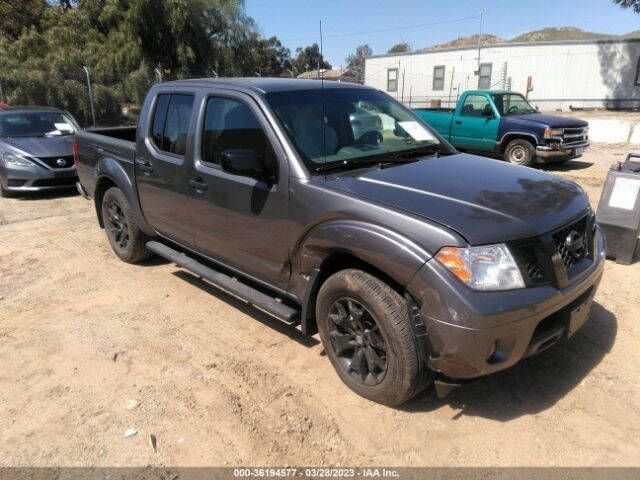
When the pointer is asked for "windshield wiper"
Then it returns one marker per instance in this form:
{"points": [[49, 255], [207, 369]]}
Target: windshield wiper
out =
{"points": [[417, 152], [382, 160]]}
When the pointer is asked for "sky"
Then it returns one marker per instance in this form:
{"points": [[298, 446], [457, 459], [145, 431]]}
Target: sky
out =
{"points": [[421, 23]]}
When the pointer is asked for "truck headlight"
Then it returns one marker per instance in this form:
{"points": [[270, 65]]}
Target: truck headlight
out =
{"points": [[489, 267], [553, 132], [15, 160]]}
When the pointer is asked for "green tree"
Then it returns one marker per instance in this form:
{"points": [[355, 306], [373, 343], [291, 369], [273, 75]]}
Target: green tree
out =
{"points": [[17, 15], [355, 61], [309, 58], [400, 48], [635, 4], [45, 45]]}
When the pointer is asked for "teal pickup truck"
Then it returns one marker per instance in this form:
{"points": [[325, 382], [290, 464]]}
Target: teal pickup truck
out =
{"points": [[505, 123]]}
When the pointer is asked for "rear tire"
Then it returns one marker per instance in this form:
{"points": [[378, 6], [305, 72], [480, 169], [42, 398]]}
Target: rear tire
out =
{"points": [[365, 328], [520, 152], [125, 237]]}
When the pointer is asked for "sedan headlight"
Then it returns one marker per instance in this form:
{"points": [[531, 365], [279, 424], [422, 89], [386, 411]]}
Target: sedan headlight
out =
{"points": [[15, 160], [553, 132], [490, 267]]}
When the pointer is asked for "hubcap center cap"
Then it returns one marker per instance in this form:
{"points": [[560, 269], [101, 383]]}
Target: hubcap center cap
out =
{"points": [[359, 340]]}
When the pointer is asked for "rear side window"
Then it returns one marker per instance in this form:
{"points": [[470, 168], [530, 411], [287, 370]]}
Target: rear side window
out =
{"points": [[230, 124], [170, 126]]}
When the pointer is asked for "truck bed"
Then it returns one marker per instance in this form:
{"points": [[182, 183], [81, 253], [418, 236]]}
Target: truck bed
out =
{"points": [[439, 118], [95, 145]]}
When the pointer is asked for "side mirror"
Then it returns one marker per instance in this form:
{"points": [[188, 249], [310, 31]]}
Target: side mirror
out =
{"points": [[488, 113], [245, 163]]}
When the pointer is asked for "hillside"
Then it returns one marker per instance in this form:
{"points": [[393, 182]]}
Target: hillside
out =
{"points": [[542, 35]]}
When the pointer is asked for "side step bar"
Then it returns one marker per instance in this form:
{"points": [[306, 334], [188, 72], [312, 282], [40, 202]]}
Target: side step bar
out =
{"points": [[231, 285]]}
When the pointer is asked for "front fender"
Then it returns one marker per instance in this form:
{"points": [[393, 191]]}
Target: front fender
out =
{"points": [[120, 173], [392, 253]]}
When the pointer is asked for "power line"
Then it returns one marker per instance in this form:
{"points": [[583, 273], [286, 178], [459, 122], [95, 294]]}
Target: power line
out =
{"points": [[384, 30]]}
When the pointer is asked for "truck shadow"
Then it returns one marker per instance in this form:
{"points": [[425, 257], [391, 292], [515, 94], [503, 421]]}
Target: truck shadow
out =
{"points": [[277, 325], [46, 194], [536, 383], [566, 166]]}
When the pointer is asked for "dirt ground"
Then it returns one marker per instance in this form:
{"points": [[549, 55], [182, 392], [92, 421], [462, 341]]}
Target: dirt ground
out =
{"points": [[91, 347]]}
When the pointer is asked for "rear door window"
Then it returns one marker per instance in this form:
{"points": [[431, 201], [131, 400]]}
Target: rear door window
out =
{"points": [[171, 119]]}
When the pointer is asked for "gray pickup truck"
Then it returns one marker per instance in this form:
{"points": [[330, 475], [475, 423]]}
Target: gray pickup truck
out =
{"points": [[417, 264]]}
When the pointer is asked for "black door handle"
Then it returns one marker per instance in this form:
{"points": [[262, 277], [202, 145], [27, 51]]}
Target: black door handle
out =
{"points": [[144, 165], [198, 185], [458, 122]]}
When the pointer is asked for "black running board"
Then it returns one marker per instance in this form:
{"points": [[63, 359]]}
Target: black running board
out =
{"points": [[231, 285]]}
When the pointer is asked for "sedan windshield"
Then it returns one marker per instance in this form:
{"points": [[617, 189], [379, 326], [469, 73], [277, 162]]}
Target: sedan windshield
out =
{"points": [[349, 126], [35, 124], [512, 104]]}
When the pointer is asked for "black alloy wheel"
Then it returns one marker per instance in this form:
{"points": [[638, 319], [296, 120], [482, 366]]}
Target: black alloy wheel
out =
{"points": [[118, 226], [357, 341]]}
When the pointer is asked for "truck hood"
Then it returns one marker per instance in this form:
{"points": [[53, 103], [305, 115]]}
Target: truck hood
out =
{"points": [[547, 120], [54, 146], [484, 200]]}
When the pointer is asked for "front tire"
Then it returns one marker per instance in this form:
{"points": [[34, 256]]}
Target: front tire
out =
{"points": [[365, 328], [520, 152], [125, 237]]}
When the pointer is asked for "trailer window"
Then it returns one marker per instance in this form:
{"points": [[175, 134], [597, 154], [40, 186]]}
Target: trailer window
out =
{"points": [[392, 80], [438, 77], [484, 76], [637, 79]]}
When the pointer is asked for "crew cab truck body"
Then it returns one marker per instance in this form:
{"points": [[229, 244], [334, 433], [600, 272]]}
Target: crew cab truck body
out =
{"points": [[504, 123], [414, 262]]}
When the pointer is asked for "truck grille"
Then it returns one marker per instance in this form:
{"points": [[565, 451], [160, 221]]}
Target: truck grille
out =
{"points": [[575, 135], [52, 162], [530, 266], [573, 243]]}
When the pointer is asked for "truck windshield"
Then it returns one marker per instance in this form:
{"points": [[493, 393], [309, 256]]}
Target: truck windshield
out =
{"points": [[35, 124], [348, 125], [512, 104]]}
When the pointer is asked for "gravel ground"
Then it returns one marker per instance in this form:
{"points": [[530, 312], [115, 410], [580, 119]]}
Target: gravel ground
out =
{"points": [[91, 347]]}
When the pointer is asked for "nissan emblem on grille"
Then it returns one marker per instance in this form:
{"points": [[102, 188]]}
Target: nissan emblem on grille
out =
{"points": [[61, 162], [574, 243]]}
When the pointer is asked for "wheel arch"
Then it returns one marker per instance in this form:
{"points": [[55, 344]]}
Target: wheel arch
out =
{"points": [[111, 173], [337, 246], [509, 137]]}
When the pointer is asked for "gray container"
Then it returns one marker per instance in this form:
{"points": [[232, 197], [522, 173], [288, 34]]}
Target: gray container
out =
{"points": [[618, 212]]}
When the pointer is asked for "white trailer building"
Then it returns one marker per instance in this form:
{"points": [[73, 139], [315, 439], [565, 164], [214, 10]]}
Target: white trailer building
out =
{"points": [[563, 74]]}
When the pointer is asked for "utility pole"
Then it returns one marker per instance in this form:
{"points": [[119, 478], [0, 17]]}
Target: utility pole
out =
{"points": [[93, 111], [1, 92], [479, 42]]}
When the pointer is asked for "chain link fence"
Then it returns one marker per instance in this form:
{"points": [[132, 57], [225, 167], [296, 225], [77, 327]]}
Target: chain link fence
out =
{"points": [[92, 98]]}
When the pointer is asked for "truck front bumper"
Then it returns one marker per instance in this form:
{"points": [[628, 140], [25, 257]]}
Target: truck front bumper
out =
{"points": [[472, 333], [36, 178], [574, 150]]}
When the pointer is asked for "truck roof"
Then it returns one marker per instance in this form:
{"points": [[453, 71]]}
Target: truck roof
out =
{"points": [[494, 92], [264, 84]]}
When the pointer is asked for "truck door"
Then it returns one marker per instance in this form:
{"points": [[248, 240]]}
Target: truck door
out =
{"points": [[476, 124], [160, 165], [238, 220]]}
